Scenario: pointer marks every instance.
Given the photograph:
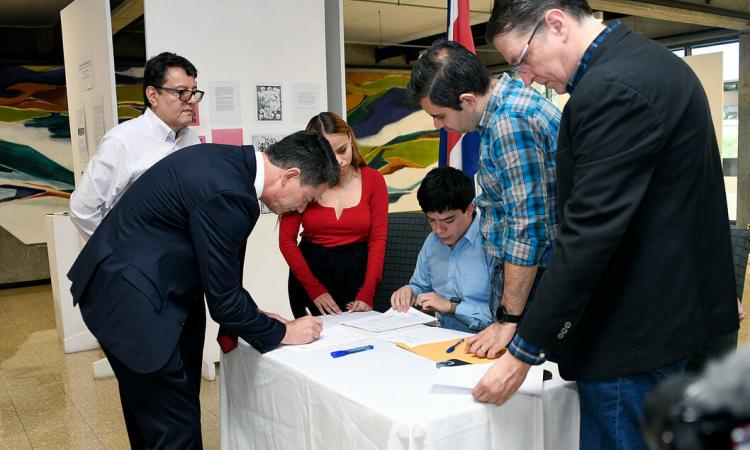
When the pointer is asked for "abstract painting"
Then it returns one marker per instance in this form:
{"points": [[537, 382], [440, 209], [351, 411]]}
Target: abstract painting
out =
{"points": [[394, 135], [36, 158]]}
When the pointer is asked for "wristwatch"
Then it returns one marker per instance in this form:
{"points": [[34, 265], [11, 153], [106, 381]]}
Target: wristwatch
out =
{"points": [[503, 317], [454, 303]]}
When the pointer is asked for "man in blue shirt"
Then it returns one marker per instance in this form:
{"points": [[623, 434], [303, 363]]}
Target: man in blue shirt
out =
{"points": [[453, 271]]}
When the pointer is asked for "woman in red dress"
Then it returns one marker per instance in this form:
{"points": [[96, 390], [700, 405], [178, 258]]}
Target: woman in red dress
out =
{"points": [[339, 260]]}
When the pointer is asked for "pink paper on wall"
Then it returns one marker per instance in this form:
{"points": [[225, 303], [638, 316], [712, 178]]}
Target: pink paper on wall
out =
{"points": [[231, 136], [202, 139]]}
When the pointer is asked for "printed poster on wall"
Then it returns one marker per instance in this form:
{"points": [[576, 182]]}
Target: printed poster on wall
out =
{"points": [[305, 101], [268, 102], [226, 103]]}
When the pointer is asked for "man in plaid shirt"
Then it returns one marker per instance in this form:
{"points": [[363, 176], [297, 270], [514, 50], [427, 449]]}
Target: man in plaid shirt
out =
{"points": [[516, 173]]}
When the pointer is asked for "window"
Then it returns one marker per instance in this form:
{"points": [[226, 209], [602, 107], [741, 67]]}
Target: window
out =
{"points": [[731, 65]]}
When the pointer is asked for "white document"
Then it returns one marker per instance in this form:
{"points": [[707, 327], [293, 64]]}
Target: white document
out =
{"points": [[226, 103], [420, 334], [330, 337], [305, 101], [462, 379], [391, 320]]}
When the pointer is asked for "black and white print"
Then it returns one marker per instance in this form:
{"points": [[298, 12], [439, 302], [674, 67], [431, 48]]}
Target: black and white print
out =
{"points": [[269, 102]]}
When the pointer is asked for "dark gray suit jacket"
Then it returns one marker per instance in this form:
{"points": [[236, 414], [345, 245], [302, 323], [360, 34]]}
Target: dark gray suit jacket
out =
{"points": [[642, 271]]}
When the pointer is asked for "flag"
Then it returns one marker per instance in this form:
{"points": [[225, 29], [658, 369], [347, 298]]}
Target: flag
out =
{"points": [[457, 150]]}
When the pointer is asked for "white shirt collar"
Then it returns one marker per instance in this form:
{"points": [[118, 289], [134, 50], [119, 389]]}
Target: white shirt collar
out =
{"points": [[260, 174], [167, 133]]}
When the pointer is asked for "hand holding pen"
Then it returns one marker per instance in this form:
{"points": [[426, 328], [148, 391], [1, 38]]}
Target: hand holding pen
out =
{"points": [[303, 330]]}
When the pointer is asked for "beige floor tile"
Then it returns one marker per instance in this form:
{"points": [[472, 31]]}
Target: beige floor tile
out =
{"points": [[9, 421], [35, 324], [211, 440], [14, 441], [115, 438], [24, 358], [74, 444], [209, 421], [73, 365], [210, 393], [35, 409], [12, 340], [73, 433], [40, 385], [102, 418], [49, 399]]}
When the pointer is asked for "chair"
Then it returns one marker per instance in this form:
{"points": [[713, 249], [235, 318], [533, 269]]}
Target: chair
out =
{"points": [[406, 233]]}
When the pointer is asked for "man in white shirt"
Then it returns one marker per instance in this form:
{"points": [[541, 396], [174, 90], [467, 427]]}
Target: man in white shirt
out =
{"points": [[170, 93]]}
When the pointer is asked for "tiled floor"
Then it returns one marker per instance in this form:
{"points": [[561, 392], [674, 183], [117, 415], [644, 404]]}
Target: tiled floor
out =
{"points": [[49, 399]]}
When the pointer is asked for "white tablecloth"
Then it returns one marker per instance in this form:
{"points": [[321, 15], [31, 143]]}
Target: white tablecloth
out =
{"points": [[377, 399]]}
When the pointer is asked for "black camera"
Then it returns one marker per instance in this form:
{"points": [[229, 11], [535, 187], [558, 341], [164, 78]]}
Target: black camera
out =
{"points": [[710, 411]]}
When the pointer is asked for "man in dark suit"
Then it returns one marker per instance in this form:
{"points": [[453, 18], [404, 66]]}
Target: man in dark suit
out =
{"points": [[178, 233], [642, 273]]}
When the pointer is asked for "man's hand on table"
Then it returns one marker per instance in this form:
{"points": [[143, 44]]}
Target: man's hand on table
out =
{"points": [[432, 301], [303, 330], [403, 299], [501, 380], [491, 341]]}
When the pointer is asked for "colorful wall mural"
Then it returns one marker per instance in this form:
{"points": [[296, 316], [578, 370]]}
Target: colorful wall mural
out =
{"points": [[395, 136], [36, 163]]}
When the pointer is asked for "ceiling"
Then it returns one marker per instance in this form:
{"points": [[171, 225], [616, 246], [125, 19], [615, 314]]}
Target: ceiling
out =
{"points": [[392, 32]]}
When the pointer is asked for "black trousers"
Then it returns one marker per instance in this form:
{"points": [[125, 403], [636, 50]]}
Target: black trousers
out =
{"points": [[340, 269], [162, 409]]}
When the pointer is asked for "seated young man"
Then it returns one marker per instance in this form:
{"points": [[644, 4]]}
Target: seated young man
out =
{"points": [[452, 276]]}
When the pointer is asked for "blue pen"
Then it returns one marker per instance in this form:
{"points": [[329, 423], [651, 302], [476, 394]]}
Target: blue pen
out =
{"points": [[452, 348], [340, 353]]}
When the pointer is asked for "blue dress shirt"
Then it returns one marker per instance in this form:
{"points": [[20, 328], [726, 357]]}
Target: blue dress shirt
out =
{"points": [[462, 271]]}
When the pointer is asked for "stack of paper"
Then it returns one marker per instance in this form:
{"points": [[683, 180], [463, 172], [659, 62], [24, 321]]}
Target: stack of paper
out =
{"points": [[391, 320]]}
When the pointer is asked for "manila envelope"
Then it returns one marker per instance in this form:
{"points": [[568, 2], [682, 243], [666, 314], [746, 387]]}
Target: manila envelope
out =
{"points": [[436, 351]]}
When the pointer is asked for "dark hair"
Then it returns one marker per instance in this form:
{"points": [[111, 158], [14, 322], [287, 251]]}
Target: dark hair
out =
{"points": [[332, 123], [156, 71], [310, 153], [444, 72], [444, 189], [524, 14]]}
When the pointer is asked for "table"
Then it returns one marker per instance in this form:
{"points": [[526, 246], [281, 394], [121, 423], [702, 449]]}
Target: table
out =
{"points": [[378, 399]]}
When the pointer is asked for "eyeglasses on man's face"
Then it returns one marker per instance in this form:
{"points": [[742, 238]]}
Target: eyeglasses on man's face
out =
{"points": [[183, 94], [516, 67]]}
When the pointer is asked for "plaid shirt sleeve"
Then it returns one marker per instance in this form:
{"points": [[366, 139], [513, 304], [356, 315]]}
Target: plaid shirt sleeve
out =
{"points": [[526, 352], [524, 195]]}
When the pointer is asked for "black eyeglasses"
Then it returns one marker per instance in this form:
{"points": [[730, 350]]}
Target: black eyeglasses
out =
{"points": [[517, 66], [183, 94]]}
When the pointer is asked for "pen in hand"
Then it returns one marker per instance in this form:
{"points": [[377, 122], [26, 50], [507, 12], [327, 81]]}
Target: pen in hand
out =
{"points": [[452, 348], [307, 311]]}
